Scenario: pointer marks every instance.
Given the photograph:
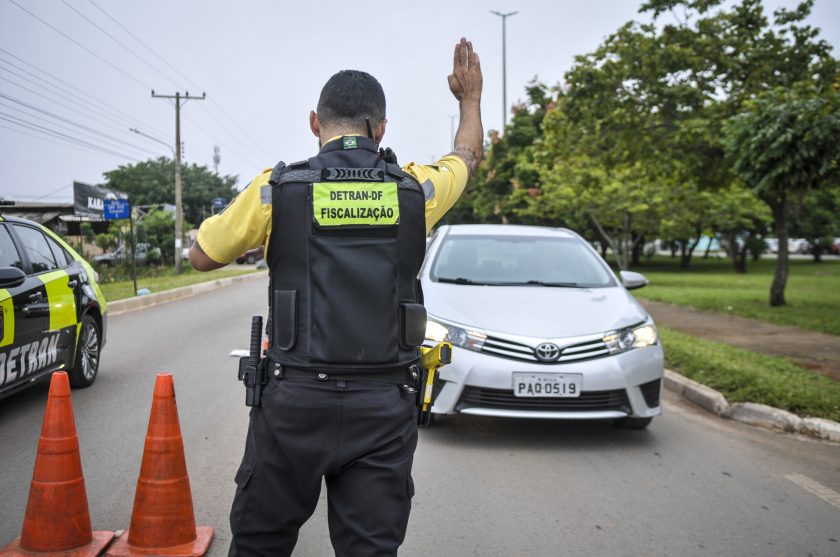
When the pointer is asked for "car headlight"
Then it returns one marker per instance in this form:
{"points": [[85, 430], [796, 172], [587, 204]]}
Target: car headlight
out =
{"points": [[471, 339], [627, 339]]}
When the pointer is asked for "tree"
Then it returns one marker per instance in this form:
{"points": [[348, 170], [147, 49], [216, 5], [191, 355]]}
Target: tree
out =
{"points": [[508, 180], [783, 146], [817, 218], [159, 230], [106, 241], [152, 182]]}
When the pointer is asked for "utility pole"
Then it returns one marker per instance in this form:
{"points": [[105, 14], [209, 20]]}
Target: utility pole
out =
{"points": [[452, 129], [504, 63], [178, 210]]}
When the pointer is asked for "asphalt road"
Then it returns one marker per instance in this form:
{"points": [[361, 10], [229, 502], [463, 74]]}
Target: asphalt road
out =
{"points": [[692, 484]]}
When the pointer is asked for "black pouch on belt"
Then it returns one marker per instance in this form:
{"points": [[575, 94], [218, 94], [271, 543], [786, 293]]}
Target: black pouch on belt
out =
{"points": [[412, 325]]}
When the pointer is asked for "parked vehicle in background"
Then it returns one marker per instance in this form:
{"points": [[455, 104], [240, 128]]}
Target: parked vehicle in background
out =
{"points": [[798, 245], [251, 256], [52, 311], [540, 327], [835, 247], [122, 255]]}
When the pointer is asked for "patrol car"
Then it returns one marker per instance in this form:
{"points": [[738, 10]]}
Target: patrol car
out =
{"points": [[52, 311]]}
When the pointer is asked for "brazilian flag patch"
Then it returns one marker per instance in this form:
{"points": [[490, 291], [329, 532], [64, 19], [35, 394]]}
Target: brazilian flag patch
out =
{"points": [[355, 203]]}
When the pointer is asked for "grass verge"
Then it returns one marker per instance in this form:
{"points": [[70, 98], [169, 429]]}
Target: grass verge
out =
{"points": [[744, 376], [812, 293], [121, 289]]}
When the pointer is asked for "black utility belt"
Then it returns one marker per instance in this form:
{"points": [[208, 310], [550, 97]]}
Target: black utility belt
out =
{"points": [[406, 376]]}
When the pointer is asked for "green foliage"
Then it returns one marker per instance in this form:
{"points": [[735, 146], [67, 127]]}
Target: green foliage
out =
{"points": [[87, 233], [158, 229], [786, 142], [152, 182], [744, 376], [508, 181], [784, 145], [106, 241]]}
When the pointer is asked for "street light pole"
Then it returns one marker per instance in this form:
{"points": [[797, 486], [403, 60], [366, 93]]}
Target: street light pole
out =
{"points": [[504, 63]]}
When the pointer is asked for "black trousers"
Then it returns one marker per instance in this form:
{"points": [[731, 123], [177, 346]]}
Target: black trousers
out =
{"points": [[357, 436]]}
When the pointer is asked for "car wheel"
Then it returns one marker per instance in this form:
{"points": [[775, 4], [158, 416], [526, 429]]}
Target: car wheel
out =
{"points": [[251, 260], [632, 423], [86, 364]]}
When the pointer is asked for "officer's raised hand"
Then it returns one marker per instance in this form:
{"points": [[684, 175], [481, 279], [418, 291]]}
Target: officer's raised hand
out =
{"points": [[466, 80], [466, 83]]}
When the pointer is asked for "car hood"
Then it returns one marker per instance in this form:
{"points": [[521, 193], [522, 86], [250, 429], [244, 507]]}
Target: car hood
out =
{"points": [[536, 311]]}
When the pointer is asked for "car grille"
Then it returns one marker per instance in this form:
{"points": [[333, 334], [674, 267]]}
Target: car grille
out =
{"points": [[502, 399], [650, 391], [517, 351]]}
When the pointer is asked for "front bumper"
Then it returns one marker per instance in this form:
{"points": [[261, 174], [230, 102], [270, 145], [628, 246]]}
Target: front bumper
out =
{"points": [[626, 384]]}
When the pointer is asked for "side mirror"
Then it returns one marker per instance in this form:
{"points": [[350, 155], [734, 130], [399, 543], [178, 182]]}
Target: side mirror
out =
{"points": [[632, 281], [11, 277]]}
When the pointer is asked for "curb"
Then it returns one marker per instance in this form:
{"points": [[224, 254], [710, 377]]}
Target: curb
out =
{"points": [[139, 302], [750, 413]]}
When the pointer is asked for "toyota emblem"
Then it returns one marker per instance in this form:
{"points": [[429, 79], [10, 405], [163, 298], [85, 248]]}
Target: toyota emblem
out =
{"points": [[547, 352]]}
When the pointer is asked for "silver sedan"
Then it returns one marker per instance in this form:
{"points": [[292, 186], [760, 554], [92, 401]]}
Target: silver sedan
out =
{"points": [[541, 327]]}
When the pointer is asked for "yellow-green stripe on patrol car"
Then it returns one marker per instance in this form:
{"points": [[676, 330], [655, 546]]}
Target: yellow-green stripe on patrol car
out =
{"points": [[61, 299], [7, 316], [355, 204]]}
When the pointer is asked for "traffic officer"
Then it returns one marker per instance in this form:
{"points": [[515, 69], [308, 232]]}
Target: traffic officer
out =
{"points": [[344, 234]]}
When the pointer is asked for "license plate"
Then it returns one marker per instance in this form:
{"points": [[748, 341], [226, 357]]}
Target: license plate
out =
{"points": [[560, 385]]}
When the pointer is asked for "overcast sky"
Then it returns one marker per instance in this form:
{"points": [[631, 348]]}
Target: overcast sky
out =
{"points": [[262, 65]]}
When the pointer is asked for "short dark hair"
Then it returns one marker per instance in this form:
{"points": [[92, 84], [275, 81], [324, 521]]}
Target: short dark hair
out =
{"points": [[349, 97]]}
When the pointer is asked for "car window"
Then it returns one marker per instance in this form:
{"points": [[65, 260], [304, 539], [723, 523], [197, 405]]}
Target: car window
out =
{"points": [[9, 256], [520, 260], [37, 248], [61, 256]]}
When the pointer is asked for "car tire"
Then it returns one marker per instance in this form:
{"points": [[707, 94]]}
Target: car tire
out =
{"points": [[632, 423], [251, 260], [88, 351]]}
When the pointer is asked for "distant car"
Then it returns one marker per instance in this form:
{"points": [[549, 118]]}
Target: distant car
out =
{"points": [[798, 245], [123, 255], [540, 328], [52, 311], [251, 256], [834, 248]]}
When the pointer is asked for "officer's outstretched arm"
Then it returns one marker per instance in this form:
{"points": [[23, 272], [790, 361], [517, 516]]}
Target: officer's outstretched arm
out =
{"points": [[466, 83], [200, 261]]}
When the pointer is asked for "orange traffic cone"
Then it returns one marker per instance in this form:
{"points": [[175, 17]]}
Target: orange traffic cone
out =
{"points": [[162, 522], [57, 519]]}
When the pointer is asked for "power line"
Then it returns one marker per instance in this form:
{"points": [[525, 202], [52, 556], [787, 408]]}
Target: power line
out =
{"points": [[48, 140], [191, 82], [52, 192], [86, 135], [80, 45], [113, 38], [67, 95], [241, 157], [129, 117], [136, 38], [107, 123], [35, 127], [71, 122]]}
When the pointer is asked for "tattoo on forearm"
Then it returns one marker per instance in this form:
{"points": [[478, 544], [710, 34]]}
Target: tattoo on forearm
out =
{"points": [[470, 157]]}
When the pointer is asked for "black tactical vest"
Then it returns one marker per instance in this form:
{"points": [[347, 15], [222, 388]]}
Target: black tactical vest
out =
{"points": [[347, 242]]}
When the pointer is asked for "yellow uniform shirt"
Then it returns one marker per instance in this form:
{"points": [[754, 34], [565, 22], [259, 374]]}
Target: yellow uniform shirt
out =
{"points": [[246, 222]]}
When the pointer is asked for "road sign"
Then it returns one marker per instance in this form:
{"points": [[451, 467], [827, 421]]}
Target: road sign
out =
{"points": [[114, 209]]}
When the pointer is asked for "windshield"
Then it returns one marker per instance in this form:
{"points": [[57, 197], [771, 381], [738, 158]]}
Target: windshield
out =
{"points": [[519, 260]]}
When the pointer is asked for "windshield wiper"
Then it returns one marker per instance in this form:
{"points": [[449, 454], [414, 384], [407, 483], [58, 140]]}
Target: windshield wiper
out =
{"points": [[459, 280], [553, 284]]}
